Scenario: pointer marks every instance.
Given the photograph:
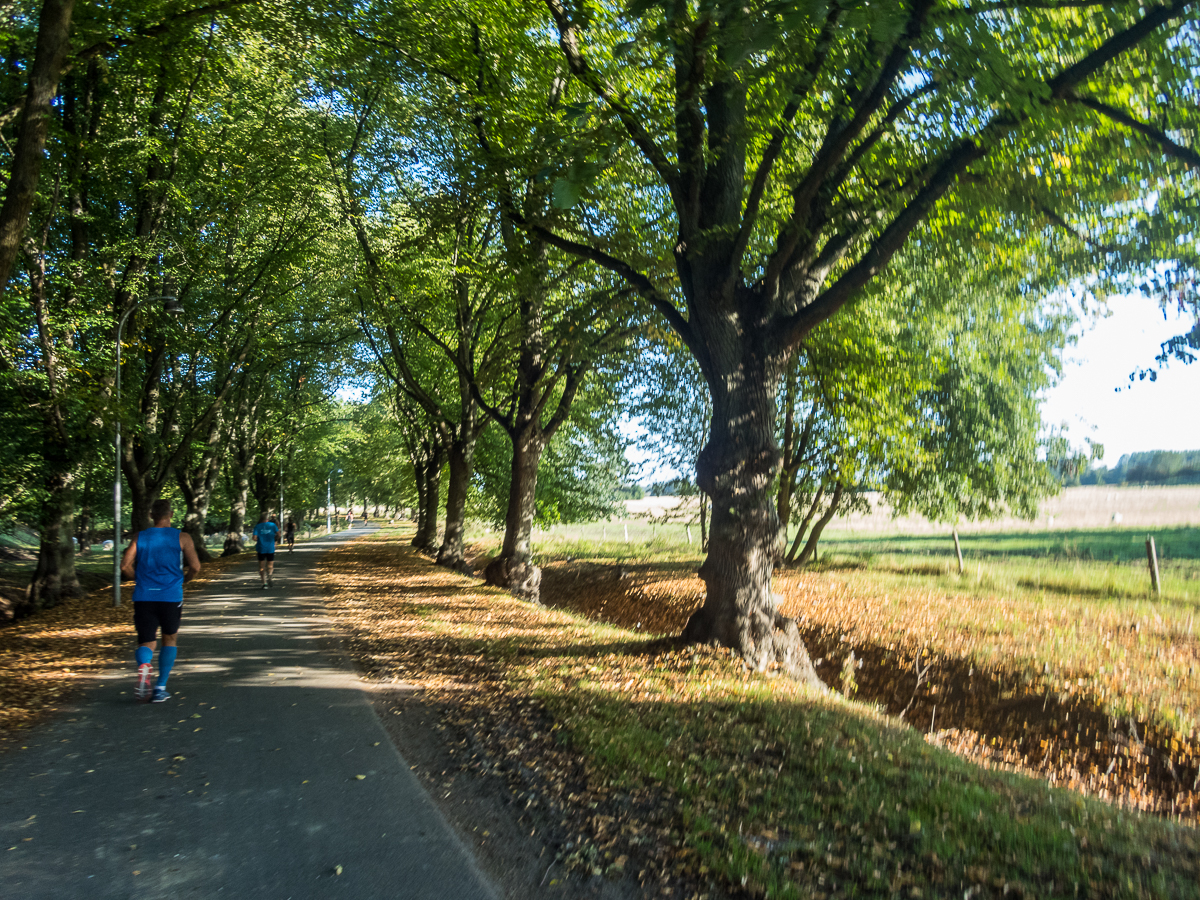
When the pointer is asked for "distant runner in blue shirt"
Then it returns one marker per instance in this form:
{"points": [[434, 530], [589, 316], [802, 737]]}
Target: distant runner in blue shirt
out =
{"points": [[152, 561], [265, 535]]}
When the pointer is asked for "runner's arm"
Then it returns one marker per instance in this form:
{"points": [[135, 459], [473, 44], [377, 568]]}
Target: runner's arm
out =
{"points": [[128, 568], [189, 556]]}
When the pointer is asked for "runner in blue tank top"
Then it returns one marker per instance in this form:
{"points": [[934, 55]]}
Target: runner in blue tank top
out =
{"points": [[265, 535], [152, 561]]}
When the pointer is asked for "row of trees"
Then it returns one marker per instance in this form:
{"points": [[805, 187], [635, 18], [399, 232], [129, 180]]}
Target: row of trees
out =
{"points": [[1148, 467], [751, 171], [173, 163], [826, 230], [196, 157]]}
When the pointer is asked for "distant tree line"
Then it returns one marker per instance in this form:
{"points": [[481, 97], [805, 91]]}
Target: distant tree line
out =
{"points": [[1149, 467]]}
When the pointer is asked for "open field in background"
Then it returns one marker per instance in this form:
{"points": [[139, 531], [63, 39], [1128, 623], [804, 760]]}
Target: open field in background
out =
{"points": [[1092, 506], [678, 767], [675, 765]]}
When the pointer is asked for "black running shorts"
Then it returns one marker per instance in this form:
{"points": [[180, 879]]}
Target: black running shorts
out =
{"points": [[269, 557], [148, 617]]}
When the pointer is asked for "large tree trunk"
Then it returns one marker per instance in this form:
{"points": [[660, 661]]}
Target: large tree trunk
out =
{"points": [[196, 483], [425, 539], [53, 41], [54, 577], [241, 461], [513, 568], [737, 469], [143, 492], [241, 499], [197, 488], [462, 466], [422, 506], [194, 516]]}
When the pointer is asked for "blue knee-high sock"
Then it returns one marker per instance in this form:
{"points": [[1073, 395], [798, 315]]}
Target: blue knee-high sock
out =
{"points": [[166, 659], [143, 655]]}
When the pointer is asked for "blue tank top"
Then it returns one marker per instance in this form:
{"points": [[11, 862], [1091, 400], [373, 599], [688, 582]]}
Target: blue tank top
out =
{"points": [[158, 567]]}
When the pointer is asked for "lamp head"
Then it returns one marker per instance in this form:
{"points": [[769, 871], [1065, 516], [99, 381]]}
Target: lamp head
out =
{"points": [[172, 306]]}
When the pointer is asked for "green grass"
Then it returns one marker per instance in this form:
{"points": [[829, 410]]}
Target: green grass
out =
{"points": [[753, 783], [792, 799], [1099, 563], [1122, 545]]}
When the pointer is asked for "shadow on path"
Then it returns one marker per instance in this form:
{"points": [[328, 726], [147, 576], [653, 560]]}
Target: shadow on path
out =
{"points": [[265, 775]]}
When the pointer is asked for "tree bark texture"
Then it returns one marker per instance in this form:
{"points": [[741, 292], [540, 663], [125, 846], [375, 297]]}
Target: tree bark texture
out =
{"points": [[53, 41], [513, 568], [196, 483], [737, 469], [241, 500], [462, 465], [54, 578], [429, 491]]}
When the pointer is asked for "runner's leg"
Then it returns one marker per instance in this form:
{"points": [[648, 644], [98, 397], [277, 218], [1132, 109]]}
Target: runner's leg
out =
{"points": [[146, 624], [166, 658]]}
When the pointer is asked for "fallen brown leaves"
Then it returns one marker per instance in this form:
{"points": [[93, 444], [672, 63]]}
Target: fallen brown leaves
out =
{"points": [[496, 665], [676, 766], [972, 686], [45, 659]]}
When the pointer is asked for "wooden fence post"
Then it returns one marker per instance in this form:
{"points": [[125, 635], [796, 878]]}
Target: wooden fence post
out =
{"points": [[958, 551], [1152, 557]]}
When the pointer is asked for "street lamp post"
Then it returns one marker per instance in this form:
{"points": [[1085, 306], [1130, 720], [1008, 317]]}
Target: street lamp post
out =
{"points": [[171, 305]]}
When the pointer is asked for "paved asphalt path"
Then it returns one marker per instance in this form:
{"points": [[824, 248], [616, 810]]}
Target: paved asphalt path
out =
{"points": [[247, 783]]}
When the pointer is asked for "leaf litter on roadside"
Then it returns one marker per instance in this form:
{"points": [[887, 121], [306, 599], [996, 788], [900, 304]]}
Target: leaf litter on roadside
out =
{"points": [[678, 766]]}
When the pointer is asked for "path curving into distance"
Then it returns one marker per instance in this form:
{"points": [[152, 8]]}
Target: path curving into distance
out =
{"points": [[246, 783]]}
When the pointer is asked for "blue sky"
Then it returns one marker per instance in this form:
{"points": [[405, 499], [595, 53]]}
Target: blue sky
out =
{"points": [[1143, 415]]}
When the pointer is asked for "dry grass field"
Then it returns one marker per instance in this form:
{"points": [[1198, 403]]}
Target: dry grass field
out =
{"points": [[1075, 507], [1093, 506]]}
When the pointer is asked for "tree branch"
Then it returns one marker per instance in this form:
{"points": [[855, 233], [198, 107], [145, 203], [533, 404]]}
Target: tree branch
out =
{"points": [[640, 282], [804, 83], [1189, 156], [1059, 221], [837, 140], [568, 39], [148, 31], [962, 155]]}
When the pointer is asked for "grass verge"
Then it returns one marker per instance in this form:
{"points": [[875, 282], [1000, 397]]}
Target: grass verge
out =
{"points": [[678, 766]]}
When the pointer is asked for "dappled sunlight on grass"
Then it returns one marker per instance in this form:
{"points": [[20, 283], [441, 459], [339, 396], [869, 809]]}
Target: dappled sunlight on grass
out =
{"points": [[678, 763], [1101, 697]]}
